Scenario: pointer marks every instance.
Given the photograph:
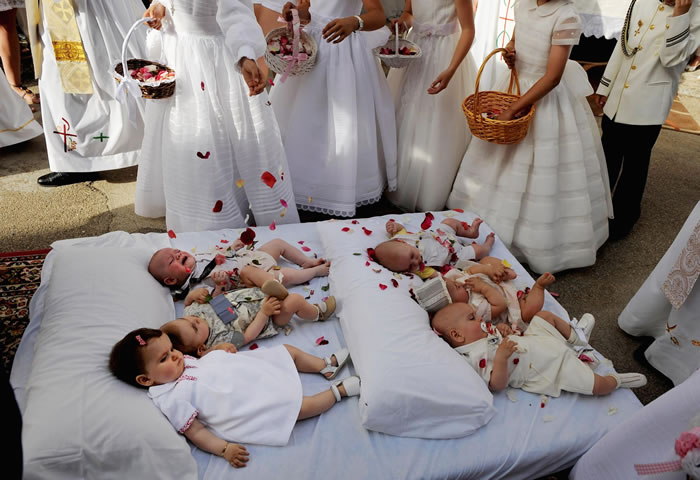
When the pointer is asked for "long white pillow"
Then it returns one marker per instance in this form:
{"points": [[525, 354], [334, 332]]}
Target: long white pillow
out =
{"points": [[413, 383], [80, 421]]}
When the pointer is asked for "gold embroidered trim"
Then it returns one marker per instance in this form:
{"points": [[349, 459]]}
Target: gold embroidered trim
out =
{"points": [[18, 128], [69, 51]]}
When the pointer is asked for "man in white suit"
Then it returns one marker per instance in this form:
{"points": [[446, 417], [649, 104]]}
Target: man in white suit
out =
{"points": [[636, 93]]}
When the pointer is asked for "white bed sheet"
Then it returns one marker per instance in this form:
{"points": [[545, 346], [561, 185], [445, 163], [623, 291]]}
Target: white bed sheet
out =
{"points": [[523, 440]]}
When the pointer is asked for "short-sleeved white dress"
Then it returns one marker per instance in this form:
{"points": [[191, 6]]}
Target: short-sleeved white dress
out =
{"points": [[246, 397], [547, 197]]}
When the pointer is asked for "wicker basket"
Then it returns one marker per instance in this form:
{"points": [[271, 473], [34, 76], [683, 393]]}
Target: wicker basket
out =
{"points": [[504, 132], [280, 65], [151, 90], [396, 60]]}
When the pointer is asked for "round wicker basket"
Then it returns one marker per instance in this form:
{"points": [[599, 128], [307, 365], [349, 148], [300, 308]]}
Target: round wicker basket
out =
{"points": [[504, 132], [279, 64], [150, 90], [396, 60]]}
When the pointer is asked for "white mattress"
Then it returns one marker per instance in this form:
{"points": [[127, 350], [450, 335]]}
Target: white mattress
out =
{"points": [[523, 440]]}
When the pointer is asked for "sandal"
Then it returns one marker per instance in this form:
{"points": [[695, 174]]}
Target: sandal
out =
{"points": [[28, 96], [351, 385], [273, 288], [341, 357], [325, 309]]}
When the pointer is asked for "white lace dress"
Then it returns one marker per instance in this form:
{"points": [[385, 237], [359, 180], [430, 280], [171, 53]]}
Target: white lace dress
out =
{"points": [[548, 197], [432, 131], [211, 153], [10, 4], [337, 121]]}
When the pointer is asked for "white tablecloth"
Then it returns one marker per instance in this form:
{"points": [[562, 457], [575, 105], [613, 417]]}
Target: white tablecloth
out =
{"points": [[676, 350], [602, 18]]}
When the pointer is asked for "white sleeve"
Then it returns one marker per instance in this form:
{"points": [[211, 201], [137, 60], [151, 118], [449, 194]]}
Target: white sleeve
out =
{"points": [[682, 38], [179, 412], [567, 30], [243, 35]]}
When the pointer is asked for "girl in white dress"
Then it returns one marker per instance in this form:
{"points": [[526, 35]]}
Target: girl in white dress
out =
{"points": [[248, 397], [432, 131], [17, 122], [547, 197], [337, 121], [212, 152]]}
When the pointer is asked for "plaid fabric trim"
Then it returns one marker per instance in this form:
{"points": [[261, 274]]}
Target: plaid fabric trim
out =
{"points": [[654, 468]]}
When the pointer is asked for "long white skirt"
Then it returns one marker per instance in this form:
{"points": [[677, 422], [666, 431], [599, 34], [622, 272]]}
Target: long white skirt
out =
{"points": [[17, 122], [86, 133], [547, 197], [432, 130], [207, 147], [338, 125]]}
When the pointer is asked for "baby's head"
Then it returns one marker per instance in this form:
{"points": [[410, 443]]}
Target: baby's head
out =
{"points": [[399, 256], [171, 267], [458, 324], [458, 293], [146, 357], [188, 334]]}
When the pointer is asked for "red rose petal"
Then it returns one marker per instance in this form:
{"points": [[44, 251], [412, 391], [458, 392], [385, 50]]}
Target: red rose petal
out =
{"points": [[367, 232], [218, 206], [248, 236], [372, 254], [223, 240], [458, 210], [516, 361], [253, 346], [171, 234], [219, 259], [446, 268], [367, 264], [395, 283], [520, 293], [542, 405], [301, 242], [272, 84], [319, 340], [465, 225], [268, 179], [273, 225], [355, 222], [482, 363], [345, 229], [203, 156], [382, 286], [430, 215], [202, 85], [427, 222], [305, 248], [283, 202]]}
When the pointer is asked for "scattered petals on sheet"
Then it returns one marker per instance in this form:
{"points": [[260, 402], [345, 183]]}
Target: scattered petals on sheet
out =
{"points": [[193, 249], [345, 229], [171, 234], [287, 330], [516, 361], [354, 222], [273, 225], [301, 242], [372, 255], [321, 341], [304, 248], [219, 259], [201, 84], [612, 410], [458, 210], [367, 264], [269, 80], [203, 156], [544, 400], [449, 214], [248, 236], [284, 203], [284, 212], [367, 231], [382, 286], [427, 221], [512, 395], [310, 199], [218, 206], [268, 179], [240, 182], [253, 346], [395, 283]]}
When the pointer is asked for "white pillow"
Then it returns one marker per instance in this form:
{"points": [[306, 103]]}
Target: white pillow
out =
{"points": [[80, 421], [413, 383]]}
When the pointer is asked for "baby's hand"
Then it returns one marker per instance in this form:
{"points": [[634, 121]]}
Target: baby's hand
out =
{"points": [[238, 244], [475, 284], [157, 12], [236, 455], [198, 295], [220, 279], [506, 348], [497, 273], [271, 306], [228, 347], [392, 227], [505, 329]]}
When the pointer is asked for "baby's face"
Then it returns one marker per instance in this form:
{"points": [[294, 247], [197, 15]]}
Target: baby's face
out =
{"points": [[404, 257], [163, 364], [192, 331], [468, 324], [172, 266]]}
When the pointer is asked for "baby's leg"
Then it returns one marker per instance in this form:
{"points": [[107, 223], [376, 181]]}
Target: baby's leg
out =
{"points": [[295, 303], [295, 276], [470, 231], [255, 277], [482, 250], [279, 247], [319, 403], [602, 385], [533, 302], [559, 323]]}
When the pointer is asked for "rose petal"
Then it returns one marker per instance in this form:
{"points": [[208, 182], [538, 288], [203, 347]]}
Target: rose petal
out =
{"points": [[223, 240], [355, 222], [272, 84], [203, 156], [319, 340], [427, 222], [283, 202], [367, 232], [376, 270], [310, 199], [273, 225], [218, 206], [171, 234], [382, 286], [458, 210], [268, 179], [482, 363], [395, 283], [506, 263], [253, 346], [367, 263], [283, 213], [372, 254], [345, 229], [240, 182], [305, 248], [248, 236], [202, 85]]}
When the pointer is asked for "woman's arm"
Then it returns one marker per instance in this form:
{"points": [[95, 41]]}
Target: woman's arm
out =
{"points": [[465, 15], [339, 29], [558, 56]]}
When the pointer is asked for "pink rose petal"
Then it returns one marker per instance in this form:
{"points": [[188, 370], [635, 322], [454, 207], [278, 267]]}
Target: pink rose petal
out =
{"points": [[253, 346], [283, 202], [305, 248], [273, 225], [382, 286]]}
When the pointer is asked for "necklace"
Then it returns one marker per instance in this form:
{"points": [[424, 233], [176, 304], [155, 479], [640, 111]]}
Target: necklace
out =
{"points": [[624, 36]]}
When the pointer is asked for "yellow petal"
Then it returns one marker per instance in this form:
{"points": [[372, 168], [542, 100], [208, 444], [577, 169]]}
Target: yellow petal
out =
{"points": [[506, 263], [240, 182]]}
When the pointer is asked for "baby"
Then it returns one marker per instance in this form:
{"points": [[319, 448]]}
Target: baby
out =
{"points": [[239, 317], [541, 361], [249, 397], [182, 273], [421, 253]]}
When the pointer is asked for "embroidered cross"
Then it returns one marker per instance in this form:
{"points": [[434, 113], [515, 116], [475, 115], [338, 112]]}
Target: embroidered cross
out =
{"points": [[66, 141], [101, 137]]}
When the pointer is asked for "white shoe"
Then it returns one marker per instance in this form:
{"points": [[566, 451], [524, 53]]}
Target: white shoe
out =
{"points": [[341, 356], [351, 385], [629, 380], [586, 323]]}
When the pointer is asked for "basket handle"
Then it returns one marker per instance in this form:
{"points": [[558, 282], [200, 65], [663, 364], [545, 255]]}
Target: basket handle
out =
{"points": [[140, 21], [513, 78], [129, 90]]}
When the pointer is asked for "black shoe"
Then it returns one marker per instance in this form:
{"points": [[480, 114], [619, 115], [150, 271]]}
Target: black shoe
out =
{"points": [[57, 179], [618, 230]]}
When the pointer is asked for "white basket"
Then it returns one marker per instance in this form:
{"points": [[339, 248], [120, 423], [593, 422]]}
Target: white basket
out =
{"points": [[396, 60], [280, 65]]}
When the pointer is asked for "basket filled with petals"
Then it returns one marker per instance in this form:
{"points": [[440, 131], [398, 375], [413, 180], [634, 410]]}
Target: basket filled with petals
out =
{"points": [[290, 50], [398, 52]]}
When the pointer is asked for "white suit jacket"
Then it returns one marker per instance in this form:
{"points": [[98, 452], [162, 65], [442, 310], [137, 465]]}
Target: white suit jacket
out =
{"points": [[641, 88]]}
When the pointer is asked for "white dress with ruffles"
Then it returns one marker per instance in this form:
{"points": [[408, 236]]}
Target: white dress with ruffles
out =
{"points": [[547, 197], [432, 131], [337, 121]]}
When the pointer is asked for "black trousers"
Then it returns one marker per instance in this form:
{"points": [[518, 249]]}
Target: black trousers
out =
{"points": [[627, 153]]}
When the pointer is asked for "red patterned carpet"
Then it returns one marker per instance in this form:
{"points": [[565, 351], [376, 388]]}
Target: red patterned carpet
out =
{"points": [[20, 274]]}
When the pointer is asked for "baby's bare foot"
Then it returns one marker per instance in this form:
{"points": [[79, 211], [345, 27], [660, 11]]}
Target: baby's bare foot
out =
{"points": [[312, 262], [473, 230], [322, 270], [490, 240], [545, 280]]}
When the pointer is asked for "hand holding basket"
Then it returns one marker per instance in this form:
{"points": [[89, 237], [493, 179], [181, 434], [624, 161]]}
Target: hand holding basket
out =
{"points": [[296, 63]]}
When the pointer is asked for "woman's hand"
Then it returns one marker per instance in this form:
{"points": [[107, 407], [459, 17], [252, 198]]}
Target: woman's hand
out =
{"points": [[601, 100], [252, 76], [340, 29], [236, 455], [682, 7], [509, 55], [157, 12], [441, 82], [506, 115], [302, 7], [405, 21]]}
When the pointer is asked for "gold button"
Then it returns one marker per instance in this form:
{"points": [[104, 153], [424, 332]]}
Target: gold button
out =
{"points": [[639, 48], [651, 27], [627, 85], [634, 67], [668, 26], [661, 8]]}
